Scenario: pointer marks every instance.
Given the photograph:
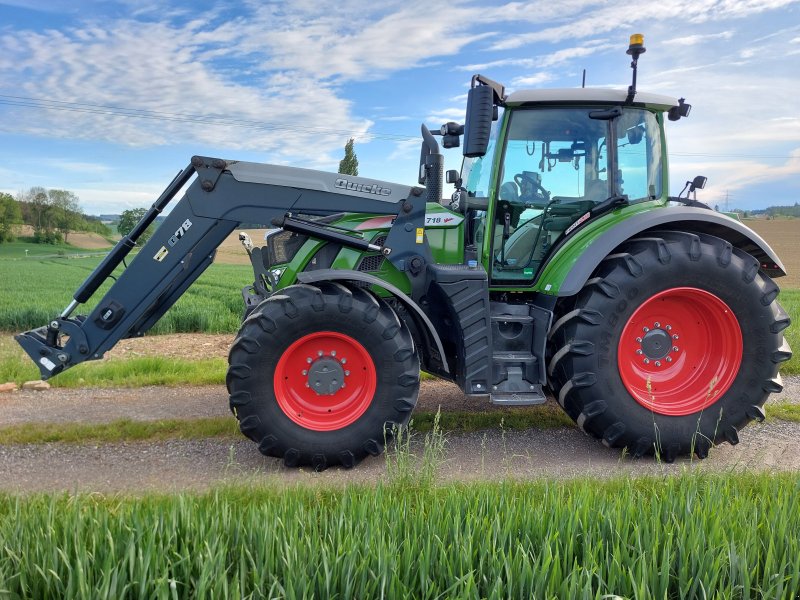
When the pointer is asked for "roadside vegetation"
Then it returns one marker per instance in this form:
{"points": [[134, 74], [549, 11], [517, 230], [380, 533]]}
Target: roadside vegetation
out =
{"points": [[546, 416], [641, 538]]}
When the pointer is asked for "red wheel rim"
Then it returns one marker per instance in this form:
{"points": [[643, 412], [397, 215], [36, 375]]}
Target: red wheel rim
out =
{"points": [[342, 366], [680, 351]]}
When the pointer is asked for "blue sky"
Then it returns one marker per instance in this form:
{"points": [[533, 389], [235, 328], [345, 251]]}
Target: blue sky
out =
{"points": [[290, 82]]}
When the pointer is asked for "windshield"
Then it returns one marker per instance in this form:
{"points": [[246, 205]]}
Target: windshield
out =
{"points": [[556, 167]]}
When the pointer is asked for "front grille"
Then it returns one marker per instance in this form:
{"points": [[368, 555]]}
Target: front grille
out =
{"points": [[282, 247], [371, 263]]}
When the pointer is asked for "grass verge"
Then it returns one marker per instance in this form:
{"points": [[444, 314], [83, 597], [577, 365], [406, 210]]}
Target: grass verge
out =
{"points": [[545, 416], [784, 412], [639, 538], [125, 430]]}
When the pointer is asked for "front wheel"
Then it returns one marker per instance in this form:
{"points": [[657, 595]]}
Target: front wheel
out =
{"points": [[322, 375], [672, 346]]}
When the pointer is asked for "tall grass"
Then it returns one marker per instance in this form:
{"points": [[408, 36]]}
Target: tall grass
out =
{"points": [[734, 536], [790, 300]]}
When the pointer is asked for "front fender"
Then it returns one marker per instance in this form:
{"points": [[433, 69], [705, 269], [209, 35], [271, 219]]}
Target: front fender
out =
{"points": [[573, 263], [430, 336]]}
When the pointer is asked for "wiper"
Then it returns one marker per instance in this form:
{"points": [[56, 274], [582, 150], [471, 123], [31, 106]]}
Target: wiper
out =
{"points": [[609, 204]]}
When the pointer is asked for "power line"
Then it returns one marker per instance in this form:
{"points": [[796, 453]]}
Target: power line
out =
{"points": [[119, 111], [708, 155]]}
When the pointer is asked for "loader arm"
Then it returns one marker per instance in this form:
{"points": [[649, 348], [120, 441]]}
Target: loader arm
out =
{"points": [[220, 195]]}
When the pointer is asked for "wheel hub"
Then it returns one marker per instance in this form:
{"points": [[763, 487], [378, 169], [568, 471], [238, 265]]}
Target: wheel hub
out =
{"points": [[326, 376], [656, 344]]}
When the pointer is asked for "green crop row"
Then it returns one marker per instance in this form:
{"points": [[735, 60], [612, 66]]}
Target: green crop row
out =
{"points": [[651, 538]]}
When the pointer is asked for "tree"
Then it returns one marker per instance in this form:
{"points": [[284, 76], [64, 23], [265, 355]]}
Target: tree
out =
{"points": [[42, 214], [39, 202], [66, 211], [349, 164], [10, 215], [128, 221]]}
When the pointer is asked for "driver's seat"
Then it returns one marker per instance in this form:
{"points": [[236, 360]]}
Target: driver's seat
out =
{"points": [[509, 191]]}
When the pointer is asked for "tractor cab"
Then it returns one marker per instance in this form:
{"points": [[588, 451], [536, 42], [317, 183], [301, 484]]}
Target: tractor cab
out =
{"points": [[554, 160]]}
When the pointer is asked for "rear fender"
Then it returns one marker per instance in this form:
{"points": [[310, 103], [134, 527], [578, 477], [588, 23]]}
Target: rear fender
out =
{"points": [[574, 262], [433, 356]]}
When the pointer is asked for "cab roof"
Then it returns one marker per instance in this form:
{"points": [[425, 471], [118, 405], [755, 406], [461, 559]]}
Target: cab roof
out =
{"points": [[589, 95]]}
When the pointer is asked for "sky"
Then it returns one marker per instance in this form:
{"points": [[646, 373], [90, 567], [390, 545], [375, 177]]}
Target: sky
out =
{"points": [[111, 98]]}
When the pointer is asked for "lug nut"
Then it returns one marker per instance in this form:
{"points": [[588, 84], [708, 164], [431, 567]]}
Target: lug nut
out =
{"points": [[658, 363], [344, 361], [669, 359], [656, 324], [305, 372], [333, 352], [308, 360], [347, 373], [674, 348], [638, 339], [647, 361], [645, 329], [674, 336], [639, 351], [319, 353], [669, 328]]}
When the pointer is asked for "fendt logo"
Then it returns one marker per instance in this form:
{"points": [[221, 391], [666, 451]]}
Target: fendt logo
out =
{"points": [[367, 188]]}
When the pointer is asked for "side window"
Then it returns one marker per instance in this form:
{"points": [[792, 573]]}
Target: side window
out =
{"points": [[639, 155]]}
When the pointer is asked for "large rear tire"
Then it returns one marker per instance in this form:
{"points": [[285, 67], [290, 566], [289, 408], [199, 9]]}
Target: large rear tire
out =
{"points": [[673, 345], [322, 375]]}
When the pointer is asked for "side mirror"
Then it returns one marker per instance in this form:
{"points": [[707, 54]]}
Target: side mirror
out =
{"points": [[478, 124], [635, 135], [698, 183], [452, 176]]}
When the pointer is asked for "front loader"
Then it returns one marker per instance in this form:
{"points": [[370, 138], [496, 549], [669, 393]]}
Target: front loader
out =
{"points": [[559, 264]]}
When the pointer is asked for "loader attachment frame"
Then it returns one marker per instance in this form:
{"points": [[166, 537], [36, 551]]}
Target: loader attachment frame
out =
{"points": [[220, 195]]}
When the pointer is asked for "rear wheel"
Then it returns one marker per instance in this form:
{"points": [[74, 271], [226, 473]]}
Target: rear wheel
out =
{"points": [[321, 375], [672, 346]]}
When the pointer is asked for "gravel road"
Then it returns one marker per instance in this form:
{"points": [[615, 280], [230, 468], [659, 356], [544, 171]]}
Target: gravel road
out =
{"points": [[198, 465]]}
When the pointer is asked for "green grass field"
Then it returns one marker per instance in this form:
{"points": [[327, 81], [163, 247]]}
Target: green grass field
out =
{"points": [[644, 538], [34, 291], [17, 249]]}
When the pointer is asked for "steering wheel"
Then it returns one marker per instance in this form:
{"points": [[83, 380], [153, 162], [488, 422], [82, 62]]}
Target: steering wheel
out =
{"points": [[540, 194]]}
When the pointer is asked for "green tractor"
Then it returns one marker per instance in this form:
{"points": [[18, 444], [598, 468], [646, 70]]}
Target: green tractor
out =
{"points": [[560, 263]]}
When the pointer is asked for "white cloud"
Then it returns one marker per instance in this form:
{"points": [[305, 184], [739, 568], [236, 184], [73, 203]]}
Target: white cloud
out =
{"points": [[453, 113], [530, 81], [71, 166], [600, 17], [693, 40], [175, 78]]}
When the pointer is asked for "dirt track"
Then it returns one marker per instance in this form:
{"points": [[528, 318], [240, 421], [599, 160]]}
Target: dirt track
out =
{"points": [[180, 465]]}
